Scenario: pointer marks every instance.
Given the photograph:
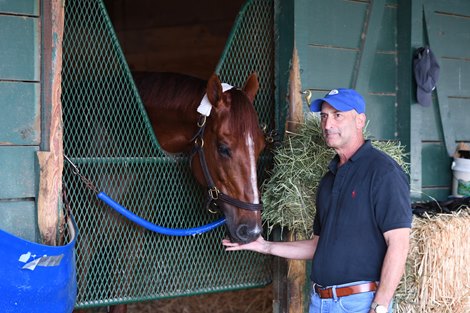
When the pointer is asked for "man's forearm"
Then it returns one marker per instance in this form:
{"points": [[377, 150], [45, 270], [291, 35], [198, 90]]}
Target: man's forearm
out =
{"points": [[393, 266]]}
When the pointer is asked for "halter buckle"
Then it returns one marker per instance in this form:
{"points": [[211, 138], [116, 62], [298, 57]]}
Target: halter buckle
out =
{"points": [[198, 142], [214, 193], [202, 121]]}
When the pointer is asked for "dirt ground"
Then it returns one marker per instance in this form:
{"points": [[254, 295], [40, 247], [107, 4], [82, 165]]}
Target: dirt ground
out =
{"points": [[257, 300]]}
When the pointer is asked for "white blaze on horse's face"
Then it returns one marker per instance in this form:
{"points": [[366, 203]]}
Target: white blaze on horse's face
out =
{"points": [[253, 176]]}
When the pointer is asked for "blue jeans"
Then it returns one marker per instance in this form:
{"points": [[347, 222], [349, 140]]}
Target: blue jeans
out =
{"points": [[357, 303]]}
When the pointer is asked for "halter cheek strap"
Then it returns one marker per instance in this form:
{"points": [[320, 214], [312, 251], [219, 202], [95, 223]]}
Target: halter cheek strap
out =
{"points": [[215, 196]]}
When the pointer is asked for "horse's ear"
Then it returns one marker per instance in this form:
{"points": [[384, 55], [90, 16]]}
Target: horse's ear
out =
{"points": [[214, 90], [251, 87]]}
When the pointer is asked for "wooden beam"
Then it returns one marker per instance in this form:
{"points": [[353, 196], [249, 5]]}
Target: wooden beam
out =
{"points": [[296, 269], [370, 38], [50, 221]]}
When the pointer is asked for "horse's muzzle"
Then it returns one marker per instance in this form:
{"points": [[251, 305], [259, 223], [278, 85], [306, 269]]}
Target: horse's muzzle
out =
{"points": [[246, 234]]}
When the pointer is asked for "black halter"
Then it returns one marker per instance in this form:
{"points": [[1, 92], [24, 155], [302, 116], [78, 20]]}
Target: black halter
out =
{"points": [[214, 194]]}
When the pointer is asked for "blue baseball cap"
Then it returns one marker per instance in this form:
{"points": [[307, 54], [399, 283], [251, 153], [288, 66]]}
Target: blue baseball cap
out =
{"points": [[341, 99]]}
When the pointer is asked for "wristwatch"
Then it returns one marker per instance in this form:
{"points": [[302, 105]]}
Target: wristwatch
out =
{"points": [[378, 308]]}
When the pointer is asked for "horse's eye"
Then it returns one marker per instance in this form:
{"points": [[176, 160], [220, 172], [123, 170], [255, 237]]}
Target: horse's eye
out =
{"points": [[224, 150]]}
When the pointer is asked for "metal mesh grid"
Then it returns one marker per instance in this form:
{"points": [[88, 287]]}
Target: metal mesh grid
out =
{"points": [[108, 136]]}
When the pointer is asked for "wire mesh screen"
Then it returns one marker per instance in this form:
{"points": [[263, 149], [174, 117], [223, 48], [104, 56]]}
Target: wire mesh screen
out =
{"points": [[108, 136]]}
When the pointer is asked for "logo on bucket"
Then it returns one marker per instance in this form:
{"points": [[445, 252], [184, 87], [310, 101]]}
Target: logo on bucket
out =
{"points": [[461, 179], [463, 187]]}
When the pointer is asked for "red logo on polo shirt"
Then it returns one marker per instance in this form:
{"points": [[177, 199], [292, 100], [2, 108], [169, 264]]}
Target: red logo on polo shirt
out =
{"points": [[353, 194]]}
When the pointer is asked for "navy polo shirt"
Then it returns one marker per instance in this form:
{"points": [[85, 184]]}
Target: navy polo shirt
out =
{"points": [[356, 203]]}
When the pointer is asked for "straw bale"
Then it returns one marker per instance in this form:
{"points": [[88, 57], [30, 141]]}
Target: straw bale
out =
{"points": [[437, 276]]}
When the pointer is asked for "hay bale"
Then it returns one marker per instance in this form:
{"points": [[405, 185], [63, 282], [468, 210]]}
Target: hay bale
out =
{"points": [[437, 276]]}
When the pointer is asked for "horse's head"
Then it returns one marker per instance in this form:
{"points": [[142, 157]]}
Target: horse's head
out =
{"points": [[232, 143]]}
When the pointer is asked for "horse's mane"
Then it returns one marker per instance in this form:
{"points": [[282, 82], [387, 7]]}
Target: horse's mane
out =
{"points": [[183, 93], [175, 91]]}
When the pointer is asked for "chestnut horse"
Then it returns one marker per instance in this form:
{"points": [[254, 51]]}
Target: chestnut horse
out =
{"points": [[225, 141]]}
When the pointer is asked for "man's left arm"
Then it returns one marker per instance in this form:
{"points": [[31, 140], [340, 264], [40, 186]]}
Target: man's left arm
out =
{"points": [[398, 242]]}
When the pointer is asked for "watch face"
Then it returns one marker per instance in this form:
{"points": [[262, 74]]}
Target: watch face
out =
{"points": [[381, 309]]}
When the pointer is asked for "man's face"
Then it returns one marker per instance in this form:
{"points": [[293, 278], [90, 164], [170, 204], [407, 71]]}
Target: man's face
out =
{"points": [[340, 127]]}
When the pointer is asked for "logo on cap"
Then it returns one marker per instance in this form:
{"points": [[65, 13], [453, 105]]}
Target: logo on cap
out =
{"points": [[333, 92]]}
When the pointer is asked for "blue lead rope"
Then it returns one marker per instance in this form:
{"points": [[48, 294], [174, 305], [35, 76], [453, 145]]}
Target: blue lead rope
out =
{"points": [[155, 228]]}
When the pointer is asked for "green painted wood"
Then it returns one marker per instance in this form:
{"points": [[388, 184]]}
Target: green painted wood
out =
{"points": [[388, 29], [431, 128], [370, 37], [20, 118], [327, 68], [448, 31], [451, 33], [333, 23], [409, 126], [460, 117], [284, 45], [435, 193], [436, 165], [18, 172], [381, 114], [456, 7], [26, 7], [455, 76], [379, 83], [19, 52], [19, 219]]}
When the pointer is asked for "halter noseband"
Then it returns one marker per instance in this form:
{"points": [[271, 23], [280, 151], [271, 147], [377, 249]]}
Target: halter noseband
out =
{"points": [[215, 196]]}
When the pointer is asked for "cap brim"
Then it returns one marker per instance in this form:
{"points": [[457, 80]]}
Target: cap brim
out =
{"points": [[424, 98]]}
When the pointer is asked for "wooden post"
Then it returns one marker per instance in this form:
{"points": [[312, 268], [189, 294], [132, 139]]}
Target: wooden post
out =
{"points": [[51, 162], [296, 269]]}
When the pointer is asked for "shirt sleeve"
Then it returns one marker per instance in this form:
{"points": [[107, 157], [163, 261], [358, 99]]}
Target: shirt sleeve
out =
{"points": [[391, 199]]}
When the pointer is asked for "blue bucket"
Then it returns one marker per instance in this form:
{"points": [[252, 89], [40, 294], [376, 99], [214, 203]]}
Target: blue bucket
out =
{"points": [[36, 277]]}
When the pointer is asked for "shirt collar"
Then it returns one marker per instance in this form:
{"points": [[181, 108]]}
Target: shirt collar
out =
{"points": [[363, 150]]}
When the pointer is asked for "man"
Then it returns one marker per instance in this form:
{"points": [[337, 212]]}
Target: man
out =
{"points": [[363, 220]]}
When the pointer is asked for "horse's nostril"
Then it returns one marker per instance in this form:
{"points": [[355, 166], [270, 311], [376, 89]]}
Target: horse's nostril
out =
{"points": [[246, 234]]}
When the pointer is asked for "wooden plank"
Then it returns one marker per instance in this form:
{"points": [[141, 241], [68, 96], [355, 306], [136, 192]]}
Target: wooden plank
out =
{"points": [[18, 218], [334, 23], [20, 57], [381, 113], [458, 7], [460, 117], [50, 222], [387, 40], [26, 7], [378, 82], [17, 168], [409, 35], [436, 165], [327, 68], [438, 193], [370, 36], [455, 76], [20, 119], [431, 129], [450, 34], [447, 128]]}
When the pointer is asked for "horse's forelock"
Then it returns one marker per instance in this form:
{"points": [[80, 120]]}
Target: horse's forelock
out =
{"points": [[243, 117]]}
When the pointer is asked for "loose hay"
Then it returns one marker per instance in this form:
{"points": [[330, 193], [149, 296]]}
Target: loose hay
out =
{"points": [[437, 277]]}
